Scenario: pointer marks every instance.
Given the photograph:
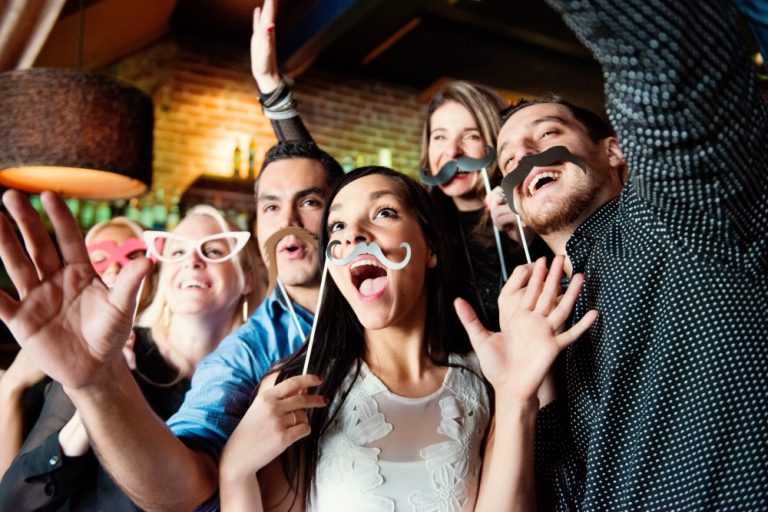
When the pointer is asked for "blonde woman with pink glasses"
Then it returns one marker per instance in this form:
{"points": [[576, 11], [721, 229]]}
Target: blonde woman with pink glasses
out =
{"points": [[208, 282]]}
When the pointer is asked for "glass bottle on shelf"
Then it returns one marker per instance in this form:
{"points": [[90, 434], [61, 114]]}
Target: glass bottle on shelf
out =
{"points": [[252, 159], [118, 207], [242, 220], [174, 214], [347, 164], [87, 214], [159, 210], [133, 211], [103, 212], [147, 211], [236, 162], [73, 204]]}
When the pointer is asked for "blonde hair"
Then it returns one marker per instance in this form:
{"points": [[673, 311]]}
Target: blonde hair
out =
{"points": [[247, 261], [150, 282], [483, 104], [134, 226]]}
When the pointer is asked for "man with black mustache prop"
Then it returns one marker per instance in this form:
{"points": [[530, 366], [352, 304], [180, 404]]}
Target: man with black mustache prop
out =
{"points": [[662, 403]]}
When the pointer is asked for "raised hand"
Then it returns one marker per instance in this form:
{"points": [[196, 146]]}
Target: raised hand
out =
{"points": [[68, 322], [516, 360], [263, 51]]}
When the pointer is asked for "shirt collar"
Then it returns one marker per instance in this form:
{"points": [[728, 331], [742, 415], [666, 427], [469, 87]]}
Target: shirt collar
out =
{"points": [[579, 246], [276, 306]]}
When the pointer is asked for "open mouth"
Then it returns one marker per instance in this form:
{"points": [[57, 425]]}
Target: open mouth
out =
{"points": [[193, 284], [369, 277], [540, 180], [292, 249]]}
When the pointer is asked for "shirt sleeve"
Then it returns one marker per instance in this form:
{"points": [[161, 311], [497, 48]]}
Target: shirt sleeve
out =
{"points": [[223, 388], [42, 477], [280, 108], [682, 98], [558, 470]]}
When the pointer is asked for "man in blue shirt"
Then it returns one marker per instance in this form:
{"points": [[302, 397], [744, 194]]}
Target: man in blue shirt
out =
{"points": [[289, 192]]}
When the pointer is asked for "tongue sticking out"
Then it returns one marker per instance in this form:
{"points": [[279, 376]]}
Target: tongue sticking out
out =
{"points": [[373, 286], [369, 279]]}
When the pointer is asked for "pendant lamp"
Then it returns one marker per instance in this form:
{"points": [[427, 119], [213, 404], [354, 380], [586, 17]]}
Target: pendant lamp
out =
{"points": [[78, 133]]}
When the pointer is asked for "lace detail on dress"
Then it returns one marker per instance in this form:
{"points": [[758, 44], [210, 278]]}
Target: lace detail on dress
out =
{"points": [[349, 474], [343, 457], [450, 462]]}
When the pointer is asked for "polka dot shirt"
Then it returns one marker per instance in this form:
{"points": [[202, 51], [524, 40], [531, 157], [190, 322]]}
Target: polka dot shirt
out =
{"points": [[664, 402]]}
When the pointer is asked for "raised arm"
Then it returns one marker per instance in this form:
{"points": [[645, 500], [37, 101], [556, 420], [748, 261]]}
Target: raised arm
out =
{"points": [[516, 362], [54, 322], [275, 95], [682, 98]]}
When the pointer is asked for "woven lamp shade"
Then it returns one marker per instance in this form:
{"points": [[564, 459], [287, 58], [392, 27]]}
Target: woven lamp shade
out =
{"points": [[80, 134]]}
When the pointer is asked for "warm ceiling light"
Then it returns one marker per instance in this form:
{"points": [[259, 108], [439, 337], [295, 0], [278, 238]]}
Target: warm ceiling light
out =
{"points": [[77, 133]]}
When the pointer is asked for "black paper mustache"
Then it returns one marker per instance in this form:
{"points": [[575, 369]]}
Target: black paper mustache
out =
{"points": [[365, 248], [553, 155], [461, 164]]}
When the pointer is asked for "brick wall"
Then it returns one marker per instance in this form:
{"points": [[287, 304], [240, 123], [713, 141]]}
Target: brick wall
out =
{"points": [[206, 104]]}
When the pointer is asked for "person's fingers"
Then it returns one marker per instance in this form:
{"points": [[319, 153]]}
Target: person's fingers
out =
{"points": [[67, 230], [256, 20], [123, 294], [20, 269], [498, 196], [519, 278], [535, 283], [574, 333], [8, 307], [39, 246], [476, 331], [301, 401], [268, 12], [296, 432], [551, 289], [565, 304], [293, 385]]}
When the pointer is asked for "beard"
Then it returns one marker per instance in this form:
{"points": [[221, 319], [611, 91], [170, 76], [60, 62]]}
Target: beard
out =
{"points": [[561, 215]]}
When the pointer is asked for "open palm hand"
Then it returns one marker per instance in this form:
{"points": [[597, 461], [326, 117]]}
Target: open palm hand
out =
{"points": [[263, 50], [66, 319], [516, 360]]}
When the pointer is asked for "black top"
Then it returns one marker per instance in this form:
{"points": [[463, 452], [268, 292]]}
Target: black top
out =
{"points": [[42, 478], [481, 278], [665, 399]]}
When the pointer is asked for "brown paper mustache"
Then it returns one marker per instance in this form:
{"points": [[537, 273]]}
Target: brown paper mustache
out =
{"points": [[553, 155], [270, 246]]}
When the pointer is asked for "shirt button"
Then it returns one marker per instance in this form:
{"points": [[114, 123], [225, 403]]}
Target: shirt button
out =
{"points": [[53, 460]]}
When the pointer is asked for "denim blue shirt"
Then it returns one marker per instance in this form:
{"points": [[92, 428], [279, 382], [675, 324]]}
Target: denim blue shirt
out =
{"points": [[225, 381]]}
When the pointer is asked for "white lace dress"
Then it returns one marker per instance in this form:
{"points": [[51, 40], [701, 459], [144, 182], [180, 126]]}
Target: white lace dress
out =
{"points": [[385, 452]]}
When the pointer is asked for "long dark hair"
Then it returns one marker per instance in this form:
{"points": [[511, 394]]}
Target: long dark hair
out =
{"points": [[339, 336]]}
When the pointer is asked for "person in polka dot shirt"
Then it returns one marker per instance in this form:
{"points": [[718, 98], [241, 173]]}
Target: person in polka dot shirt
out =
{"points": [[663, 404]]}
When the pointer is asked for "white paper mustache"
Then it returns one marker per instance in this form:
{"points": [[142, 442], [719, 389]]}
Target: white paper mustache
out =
{"points": [[365, 248]]}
